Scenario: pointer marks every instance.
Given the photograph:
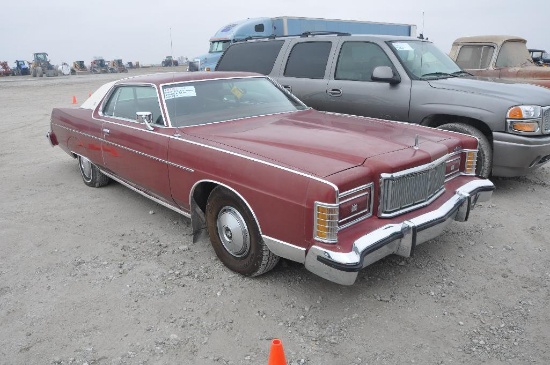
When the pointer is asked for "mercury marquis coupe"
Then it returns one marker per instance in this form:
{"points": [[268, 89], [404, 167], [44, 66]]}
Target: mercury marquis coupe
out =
{"points": [[269, 177]]}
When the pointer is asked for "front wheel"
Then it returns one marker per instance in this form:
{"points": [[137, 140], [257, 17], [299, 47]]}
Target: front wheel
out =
{"points": [[235, 236], [91, 174], [485, 154]]}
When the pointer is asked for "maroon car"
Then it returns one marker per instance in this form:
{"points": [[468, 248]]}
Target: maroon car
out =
{"points": [[270, 177]]}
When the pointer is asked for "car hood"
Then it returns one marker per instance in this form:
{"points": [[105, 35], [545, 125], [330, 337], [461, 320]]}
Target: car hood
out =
{"points": [[323, 144], [515, 93]]}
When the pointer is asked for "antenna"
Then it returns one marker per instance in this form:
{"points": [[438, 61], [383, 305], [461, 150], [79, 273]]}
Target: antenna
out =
{"points": [[171, 55], [421, 36]]}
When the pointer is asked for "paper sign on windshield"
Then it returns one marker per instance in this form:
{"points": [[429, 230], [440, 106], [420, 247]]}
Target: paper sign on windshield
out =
{"points": [[402, 46], [179, 92]]}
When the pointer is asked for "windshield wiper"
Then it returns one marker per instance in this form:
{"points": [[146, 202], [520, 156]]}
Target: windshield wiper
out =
{"points": [[461, 73], [438, 75]]}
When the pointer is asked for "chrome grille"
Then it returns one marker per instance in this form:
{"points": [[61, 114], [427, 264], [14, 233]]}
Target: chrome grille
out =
{"points": [[546, 120], [410, 189]]}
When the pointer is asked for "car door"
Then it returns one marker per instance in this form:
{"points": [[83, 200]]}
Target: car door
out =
{"points": [[351, 89], [132, 151], [305, 72]]}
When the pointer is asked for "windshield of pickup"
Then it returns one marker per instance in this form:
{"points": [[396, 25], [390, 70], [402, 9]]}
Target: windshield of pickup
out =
{"points": [[513, 54], [211, 101], [425, 61]]}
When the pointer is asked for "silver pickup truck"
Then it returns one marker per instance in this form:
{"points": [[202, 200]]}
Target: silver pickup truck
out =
{"points": [[410, 80]]}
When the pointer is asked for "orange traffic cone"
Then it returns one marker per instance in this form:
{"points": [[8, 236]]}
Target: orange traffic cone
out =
{"points": [[74, 99], [276, 354]]}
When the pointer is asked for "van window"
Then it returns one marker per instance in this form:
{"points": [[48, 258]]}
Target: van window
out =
{"points": [[252, 57], [357, 61], [308, 60]]}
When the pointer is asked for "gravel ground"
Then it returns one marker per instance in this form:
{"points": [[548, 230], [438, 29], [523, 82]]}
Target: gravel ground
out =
{"points": [[105, 276]]}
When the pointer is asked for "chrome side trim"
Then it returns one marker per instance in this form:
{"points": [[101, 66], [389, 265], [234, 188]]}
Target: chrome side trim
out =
{"points": [[141, 192], [309, 176], [285, 249], [192, 192], [128, 149]]}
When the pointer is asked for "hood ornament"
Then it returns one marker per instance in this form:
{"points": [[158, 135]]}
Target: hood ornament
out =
{"points": [[416, 142]]}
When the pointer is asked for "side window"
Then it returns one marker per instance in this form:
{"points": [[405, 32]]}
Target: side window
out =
{"points": [[147, 101], [308, 60], [253, 57], [475, 57], [357, 61], [125, 101], [109, 108]]}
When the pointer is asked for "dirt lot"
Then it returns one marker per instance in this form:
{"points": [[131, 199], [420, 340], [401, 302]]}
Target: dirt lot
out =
{"points": [[105, 276]]}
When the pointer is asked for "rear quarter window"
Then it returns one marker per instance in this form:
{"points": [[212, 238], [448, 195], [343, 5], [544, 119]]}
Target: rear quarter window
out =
{"points": [[252, 57]]}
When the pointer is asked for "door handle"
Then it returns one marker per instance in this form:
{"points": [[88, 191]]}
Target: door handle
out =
{"points": [[288, 88], [106, 131], [334, 92]]}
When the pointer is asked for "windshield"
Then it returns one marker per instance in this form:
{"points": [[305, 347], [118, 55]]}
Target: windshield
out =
{"points": [[203, 102], [424, 60], [513, 54], [219, 46]]}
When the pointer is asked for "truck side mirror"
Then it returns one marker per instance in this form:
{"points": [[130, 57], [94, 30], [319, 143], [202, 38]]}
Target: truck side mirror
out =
{"points": [[385, 74]]}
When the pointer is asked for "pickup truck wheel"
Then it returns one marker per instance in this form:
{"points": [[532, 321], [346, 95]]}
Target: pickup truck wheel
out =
{"points": [[485, 153], [91, 174], [235, 236]]}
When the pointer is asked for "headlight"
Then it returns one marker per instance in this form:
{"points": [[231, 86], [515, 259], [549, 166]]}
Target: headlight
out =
{"points": [[353, 206], [524, 112], [528, 119]]}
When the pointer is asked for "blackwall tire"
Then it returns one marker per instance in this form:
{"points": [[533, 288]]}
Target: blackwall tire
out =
{"points": [[485, 153], [91, 174], [235, 236]]}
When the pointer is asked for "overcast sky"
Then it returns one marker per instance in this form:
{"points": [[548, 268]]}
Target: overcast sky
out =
{"points": [[139, 30]]}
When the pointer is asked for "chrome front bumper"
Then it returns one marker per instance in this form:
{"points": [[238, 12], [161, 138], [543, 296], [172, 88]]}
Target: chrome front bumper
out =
{"points": [[398, 238]]}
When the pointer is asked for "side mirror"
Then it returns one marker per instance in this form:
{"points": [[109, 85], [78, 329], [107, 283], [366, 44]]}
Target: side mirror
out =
{"points": [[385, 74], [145, 117]]}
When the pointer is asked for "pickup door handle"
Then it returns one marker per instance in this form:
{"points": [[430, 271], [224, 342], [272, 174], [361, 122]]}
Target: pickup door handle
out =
{"points": [[334, 92], [288, 88], [106, 131]]}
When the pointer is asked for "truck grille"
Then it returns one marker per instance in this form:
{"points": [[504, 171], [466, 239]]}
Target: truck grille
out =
{"points": [[546, 120], [410, 189]]}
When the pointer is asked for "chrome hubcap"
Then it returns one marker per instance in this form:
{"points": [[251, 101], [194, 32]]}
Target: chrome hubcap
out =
{"points": [[233, 232], [85, 168]]}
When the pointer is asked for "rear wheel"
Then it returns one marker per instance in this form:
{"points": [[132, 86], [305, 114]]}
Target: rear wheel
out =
{"points": [[91, 174], [235, 236], [485, 153]]}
